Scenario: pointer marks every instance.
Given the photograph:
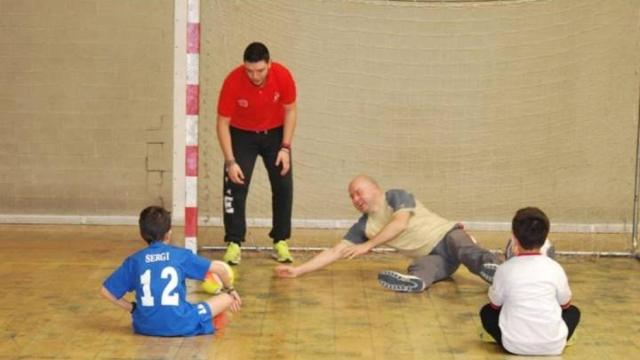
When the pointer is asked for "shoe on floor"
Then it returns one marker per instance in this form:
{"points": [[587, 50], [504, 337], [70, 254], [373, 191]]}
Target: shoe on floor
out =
{"points": [[399, 282], [221, 320], [485, 336], [281, 252], [233, 254], [488, 271]]}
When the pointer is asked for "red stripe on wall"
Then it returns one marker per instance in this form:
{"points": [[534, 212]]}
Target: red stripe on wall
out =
{"points": [[193, 96], [193, 38], [190, 221], [191, 160]]}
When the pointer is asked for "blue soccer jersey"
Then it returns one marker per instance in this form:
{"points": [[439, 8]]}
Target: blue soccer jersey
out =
{"points": [[157, 275]]}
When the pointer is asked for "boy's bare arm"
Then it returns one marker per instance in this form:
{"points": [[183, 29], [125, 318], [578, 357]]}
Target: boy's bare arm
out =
{"points": [[122, 303]]}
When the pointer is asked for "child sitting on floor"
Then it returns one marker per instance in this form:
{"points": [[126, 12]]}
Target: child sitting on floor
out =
{"points": [[157, 274], [530, 311]]}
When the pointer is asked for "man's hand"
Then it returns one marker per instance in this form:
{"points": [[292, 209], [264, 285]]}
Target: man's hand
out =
{"points": [[284, 158], [235, 174], [355, 250], [286, 271]]}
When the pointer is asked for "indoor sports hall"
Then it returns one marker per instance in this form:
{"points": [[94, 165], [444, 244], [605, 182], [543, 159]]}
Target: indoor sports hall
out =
{"points": [[478, 108]]}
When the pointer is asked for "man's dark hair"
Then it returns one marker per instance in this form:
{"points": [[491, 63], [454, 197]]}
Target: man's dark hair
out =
{"points": [[255, 52], [530, 226], [155, 223]]}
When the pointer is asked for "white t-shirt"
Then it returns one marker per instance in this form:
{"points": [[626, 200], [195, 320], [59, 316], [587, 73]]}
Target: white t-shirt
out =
{"points": [[531, 289]]}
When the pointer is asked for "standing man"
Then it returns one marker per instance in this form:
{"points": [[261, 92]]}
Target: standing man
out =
{"points": [[257, 116], [395, 218]]}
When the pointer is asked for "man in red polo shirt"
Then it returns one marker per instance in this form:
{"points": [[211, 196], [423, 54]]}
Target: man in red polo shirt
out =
{"points": [[257, 116]]}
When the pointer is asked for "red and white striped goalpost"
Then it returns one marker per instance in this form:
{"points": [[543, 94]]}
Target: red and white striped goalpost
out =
{"points": [[191, 118]]}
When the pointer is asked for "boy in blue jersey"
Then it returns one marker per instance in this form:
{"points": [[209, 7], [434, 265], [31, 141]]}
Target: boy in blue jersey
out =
{"points": [[157, 275]]}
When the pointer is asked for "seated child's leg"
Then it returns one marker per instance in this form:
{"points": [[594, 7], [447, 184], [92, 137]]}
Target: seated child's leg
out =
{"points": [[220, 303], [571, 317], [489, 317]]}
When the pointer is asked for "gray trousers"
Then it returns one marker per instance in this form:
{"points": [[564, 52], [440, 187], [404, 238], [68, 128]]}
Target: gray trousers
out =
{"points": [[454, 249]]}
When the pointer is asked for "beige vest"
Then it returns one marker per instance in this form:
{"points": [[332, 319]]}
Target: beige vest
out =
{"points": [[424, 232]]}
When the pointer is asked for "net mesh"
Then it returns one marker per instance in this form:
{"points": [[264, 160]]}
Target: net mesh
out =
{"points": [[478, 108]]}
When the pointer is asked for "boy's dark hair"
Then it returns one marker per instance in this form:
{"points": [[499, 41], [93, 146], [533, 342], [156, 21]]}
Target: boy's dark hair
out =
{"points": [[530, 226], [155, 223], [255, 52]]}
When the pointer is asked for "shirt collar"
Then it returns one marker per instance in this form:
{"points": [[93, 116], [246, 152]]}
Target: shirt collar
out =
{"points": [[527, 253]]}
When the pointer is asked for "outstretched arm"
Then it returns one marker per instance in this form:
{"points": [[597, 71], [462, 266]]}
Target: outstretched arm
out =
{"points": [[122, 303], [395, 227], [325, 258]]}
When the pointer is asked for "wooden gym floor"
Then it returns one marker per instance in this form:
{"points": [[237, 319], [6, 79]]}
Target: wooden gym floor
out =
{"points": [[51, 309]]}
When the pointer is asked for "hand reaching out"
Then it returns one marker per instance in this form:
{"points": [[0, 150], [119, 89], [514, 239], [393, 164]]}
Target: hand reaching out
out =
{"points": [[286, 271]]}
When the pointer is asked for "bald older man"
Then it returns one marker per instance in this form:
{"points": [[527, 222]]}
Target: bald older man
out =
{"points": [[395, 218]]}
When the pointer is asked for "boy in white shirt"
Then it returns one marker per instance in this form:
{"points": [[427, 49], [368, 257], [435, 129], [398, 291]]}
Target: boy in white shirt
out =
{"points": [[530, 311]]}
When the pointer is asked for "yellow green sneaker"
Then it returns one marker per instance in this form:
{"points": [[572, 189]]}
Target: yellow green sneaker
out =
{"points": [[281, 252], [233, 254]]}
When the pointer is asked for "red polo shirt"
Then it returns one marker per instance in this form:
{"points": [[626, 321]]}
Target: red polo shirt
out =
{"points": [[256, 108]]}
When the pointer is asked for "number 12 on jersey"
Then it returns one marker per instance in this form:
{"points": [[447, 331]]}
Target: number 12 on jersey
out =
{"points": [[169, 298]]}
